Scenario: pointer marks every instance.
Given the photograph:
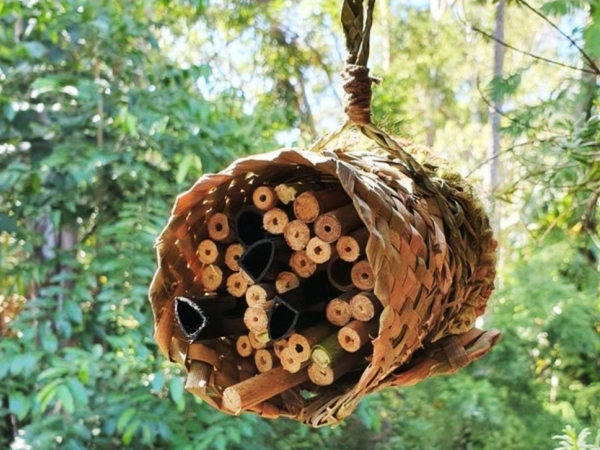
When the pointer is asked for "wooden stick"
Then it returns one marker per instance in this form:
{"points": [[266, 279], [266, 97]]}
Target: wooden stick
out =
{"points": [[356, 334], [260, 293], [237, 284], [256, 318], [325, 376], [265, 359], [275, 220], [287, 193], [330, 226], [198, 351], [260, 388], [320, 252], [339, 273], [352, 246], [264, 198], [249, 226], [198, 376], [220, 229], [232, 255], [286, 281], [264, 259], [311, 204], [214, 277], [362, 275], [327, 351], [301, 264], [301, 343], [243, 346], [258, 340], [210, 253], [290, 360], [297, 234], [338, 310], [365, 306]]}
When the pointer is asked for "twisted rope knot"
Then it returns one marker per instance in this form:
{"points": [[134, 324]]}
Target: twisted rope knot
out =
{"points": [[358, 92]]}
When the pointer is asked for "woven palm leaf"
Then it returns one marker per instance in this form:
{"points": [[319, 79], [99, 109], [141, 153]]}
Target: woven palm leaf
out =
{"points": [[430, 246]]}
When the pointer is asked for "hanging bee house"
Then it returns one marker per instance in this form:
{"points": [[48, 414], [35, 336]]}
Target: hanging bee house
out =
{"points": [[294, 282]]}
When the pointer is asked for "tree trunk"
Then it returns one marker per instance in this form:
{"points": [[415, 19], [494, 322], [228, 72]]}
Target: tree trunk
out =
{"points": [[496, 115]]}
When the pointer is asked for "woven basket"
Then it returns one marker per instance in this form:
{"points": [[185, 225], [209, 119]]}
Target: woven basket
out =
{"points": [[430, 246]]}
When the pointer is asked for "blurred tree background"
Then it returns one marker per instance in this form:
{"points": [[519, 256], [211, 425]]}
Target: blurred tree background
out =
{"points": [[108, 109]]}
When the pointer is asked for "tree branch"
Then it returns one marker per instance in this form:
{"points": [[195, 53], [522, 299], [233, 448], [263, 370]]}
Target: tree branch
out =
{"points": [[591, 63], [533, 55]]}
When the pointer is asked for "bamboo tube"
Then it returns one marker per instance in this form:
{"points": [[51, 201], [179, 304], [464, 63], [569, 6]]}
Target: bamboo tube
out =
{"points": [[362, 275], [258, 340], [213, 277], [302, 265], [264, 198], [260, 293], [301, 343], [265, 359], [338, 310], [275, 221], [207, 319], [198, 376], [237, 284], [339, 273], [256, 317], [243, 346], [356, 334], [320, 252], [327, 351], [330, 226], [311, 204], [249, 226], [265, 259], [260, 388], [279, 345], [325, 376], [296, 234], [198, 351], [365, 306], [287, 193], [286, 281], [220, 229], [232, 255], [290, 360], [352, 246], [210, 253]]}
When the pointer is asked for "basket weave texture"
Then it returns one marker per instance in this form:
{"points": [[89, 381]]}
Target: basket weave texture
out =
{"points": [[431, 248]]}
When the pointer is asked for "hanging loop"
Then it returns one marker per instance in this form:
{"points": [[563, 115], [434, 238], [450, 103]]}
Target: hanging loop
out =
{"points": [[357, 83]]}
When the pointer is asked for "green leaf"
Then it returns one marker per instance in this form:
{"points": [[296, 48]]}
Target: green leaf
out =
{"points": [[78, 390], [125, 418], [9, 112], [176, 392], [65, 397], [35, 49], [130, 431], [73, 311], [48, 339], [23, 364], [18, 404], [8, 224]]}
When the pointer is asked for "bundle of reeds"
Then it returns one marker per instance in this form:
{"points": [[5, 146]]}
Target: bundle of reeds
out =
{"points": [[292, 283]]}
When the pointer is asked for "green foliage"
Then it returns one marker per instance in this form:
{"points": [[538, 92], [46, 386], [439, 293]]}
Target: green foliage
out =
{"points": [[572, 441]]}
